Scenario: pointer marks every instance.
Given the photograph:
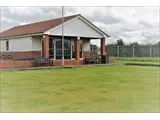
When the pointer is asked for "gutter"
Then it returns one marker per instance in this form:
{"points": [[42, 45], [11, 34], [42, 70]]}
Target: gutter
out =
{"points": [[20, 36]]}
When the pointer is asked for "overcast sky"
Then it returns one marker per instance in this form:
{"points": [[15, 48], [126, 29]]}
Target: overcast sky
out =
{"points": [[132, 24]]}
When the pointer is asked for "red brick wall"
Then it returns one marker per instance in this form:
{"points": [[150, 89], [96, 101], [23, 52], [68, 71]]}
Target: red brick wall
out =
{"points": [[67, 62], [27, 63], [27, 54], [15, 64]]}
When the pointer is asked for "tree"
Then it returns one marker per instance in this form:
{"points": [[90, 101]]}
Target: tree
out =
{"points": [[135, 47], [93, 47], [111, 49], [120, 42], [156, 49], [135, 44], [121, 47]]}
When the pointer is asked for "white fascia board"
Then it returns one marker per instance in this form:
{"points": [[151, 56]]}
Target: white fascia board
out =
{"points": [[20, 36], [49, 31], [91, 25]]}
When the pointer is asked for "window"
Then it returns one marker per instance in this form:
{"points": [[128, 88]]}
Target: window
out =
{"points": [[51, 48], [55, 48], [67, 48], [7, 45], [81, 49], [58, 49], [73, 50]]}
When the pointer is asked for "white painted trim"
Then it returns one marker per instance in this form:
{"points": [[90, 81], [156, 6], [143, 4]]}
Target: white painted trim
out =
{"points": [[48, 31], [24, 51], [78, 38], [83, 19], [93, 26], [8, 45], [20, 36]]}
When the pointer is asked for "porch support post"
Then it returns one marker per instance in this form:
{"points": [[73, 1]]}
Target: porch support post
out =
{"points": [[46, 45], [77, 49], [86, 48], [103, 46]]}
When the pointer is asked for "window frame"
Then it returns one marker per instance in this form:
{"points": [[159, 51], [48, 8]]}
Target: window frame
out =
{"points": [[52, 41], [7, 45], [55, 47], [55, 39]]}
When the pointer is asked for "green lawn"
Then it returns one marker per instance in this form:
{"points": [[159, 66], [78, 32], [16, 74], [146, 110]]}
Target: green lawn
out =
{"points": [[83, 89], [143, 60], [128, 61], [139, 59]]}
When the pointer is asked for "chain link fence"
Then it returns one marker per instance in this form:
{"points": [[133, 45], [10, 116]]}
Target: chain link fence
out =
{"points": [[133, 51]]}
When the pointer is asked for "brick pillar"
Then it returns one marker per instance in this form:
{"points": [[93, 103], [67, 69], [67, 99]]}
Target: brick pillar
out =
{"points": [[46, 46], [103, 46], [77, 49]]}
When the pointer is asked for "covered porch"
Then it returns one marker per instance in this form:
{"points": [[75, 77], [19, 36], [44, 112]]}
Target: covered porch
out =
{"points": [[75, 51], [77, 34]]}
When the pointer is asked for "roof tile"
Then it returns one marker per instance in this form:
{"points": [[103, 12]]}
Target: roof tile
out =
{"points": [[34, 28]]}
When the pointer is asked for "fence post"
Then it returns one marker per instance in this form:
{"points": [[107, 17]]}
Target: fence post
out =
{"points": [[150, 51], [117, 51], [133, 51]]}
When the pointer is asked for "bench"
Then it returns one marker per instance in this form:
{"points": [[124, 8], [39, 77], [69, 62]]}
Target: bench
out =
{"points": [[6, 56], [92, 60], [42, 61]]}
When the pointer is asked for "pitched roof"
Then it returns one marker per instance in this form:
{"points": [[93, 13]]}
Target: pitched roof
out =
{"points": [[34, 28]]}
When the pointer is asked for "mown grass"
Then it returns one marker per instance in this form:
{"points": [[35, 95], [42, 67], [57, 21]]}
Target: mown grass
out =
{"points": [[143, 60], [85, 89], [139, 62], [139, 59]]}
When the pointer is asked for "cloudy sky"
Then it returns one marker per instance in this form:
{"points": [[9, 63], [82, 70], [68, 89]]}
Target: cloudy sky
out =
{"points": [[140, 24]]}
